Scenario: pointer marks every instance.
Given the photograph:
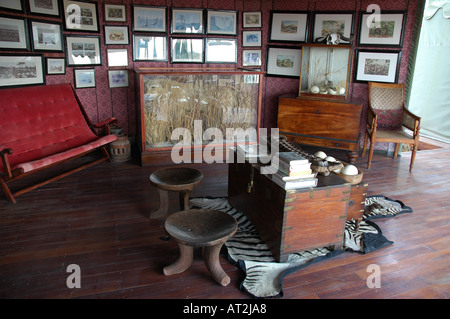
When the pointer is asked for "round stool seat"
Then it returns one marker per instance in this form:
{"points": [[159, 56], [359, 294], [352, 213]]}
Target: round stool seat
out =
{"points": [[176, 178], [201, 227]]}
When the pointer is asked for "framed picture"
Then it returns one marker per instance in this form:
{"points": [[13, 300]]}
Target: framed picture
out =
{"points": [[221, 22], [251, 38], [187, 21], [44, 7], [12, 5], [288, 26], [377, 66], [116, 35], [46, 36], [21, 70], [117, 57], [83, 50], [251, 58], [251, 20], [149, 48], [149, 19], [221, 50], [115, 13], [118, 78], [187, 50], [388, 31], [56, 66], [13, 33], [84, 78], [326, 23], [80, 15], [283, 61]]}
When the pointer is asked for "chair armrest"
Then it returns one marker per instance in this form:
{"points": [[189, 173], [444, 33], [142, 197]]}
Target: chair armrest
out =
{"points": [[4, 156], [105, 124], [411, 121], [371, 119]]}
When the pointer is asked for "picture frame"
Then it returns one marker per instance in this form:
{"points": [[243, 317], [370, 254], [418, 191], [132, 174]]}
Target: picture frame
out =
{"points": [[223, 22], [187, 21], [118, 78], [251, 58], [289, 26], [251, 19], [149, 48], [283, 61], [84, 78], [149, 19], [389, 32], [56, 66], [251, 38], [377, 66], [117, 57], [326, 23], [47, 7], [83, 50], [13, 33], [115, 34], [13, 6], [46, 36], [115, 12], [187, 50], [21, 70], [80, 15], [221, 50]]}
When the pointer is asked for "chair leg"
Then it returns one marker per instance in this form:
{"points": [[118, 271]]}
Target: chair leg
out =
{"points": [[163, 205], [413, 157], [183, 262], [184, 200], [369, 161], [364, 146], [7, 191], [397, 147], [211, 258]]}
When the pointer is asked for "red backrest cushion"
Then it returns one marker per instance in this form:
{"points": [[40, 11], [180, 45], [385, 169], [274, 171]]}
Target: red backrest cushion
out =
{"points": [[38, 121]]}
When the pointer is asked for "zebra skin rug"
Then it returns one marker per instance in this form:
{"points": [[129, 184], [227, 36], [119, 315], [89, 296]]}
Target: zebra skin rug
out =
{"points": [[264, 276]]}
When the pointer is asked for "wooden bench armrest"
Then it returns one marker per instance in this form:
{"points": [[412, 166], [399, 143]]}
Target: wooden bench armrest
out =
{"points": [[105, 124], [4, 156]]}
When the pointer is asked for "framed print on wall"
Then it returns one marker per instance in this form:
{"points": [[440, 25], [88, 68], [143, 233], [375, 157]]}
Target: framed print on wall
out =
{"points": [[117, 57], [149, 48], [46, 36], [389, 31], [56, 66], [83, 50], [187, 21], [187, 50], [44, 7], [115, 13], [377, 66], [21, 70], [80, 15], [221, 22], [118, 78], [116, 34], [251, 58], [13, 33], [288, 26], [326, 23], [221, 50], [12, 5], [283, 61], [149, 19], [251, 38], [84, 78], [251, 20]]}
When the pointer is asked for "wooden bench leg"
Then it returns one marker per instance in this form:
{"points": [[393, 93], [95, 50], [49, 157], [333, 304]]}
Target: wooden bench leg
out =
{"points": [[7, 191], [183, 262], [211, 258]]}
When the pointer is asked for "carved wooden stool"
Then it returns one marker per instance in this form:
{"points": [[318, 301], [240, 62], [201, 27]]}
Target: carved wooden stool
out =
{"points": [[205, 228], [176, 179]]}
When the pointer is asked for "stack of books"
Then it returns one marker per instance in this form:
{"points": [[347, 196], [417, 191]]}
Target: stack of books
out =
{"points": [[294, 172], [252, 153]]}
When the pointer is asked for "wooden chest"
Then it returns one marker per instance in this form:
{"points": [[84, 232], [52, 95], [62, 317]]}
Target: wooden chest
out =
{"points": [[290, 221]]}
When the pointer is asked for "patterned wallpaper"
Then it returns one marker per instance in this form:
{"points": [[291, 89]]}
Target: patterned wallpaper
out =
{"points": [[103, 102]]}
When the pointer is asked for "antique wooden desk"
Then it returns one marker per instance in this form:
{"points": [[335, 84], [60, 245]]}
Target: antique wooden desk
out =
{"points": [[291, 221]]}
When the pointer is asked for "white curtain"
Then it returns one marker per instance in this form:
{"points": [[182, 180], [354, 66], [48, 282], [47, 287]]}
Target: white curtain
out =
{"points": [[430, 89]]}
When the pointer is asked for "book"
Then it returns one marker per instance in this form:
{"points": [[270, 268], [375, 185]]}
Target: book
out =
{"points": [[299, 169], [251, 152], [292, 158], [294, 184]]}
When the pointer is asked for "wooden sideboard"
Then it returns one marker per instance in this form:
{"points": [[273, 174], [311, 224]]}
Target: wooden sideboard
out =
{"points": [[329, 124]]}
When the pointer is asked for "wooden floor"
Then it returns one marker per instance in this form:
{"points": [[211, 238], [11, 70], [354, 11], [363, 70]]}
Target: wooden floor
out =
{"points": [[98, 219]]}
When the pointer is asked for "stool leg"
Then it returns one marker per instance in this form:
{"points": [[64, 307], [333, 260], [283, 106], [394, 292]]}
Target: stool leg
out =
{"points": [[163, 205], [184, 200], [183, 262], [211, 258]]}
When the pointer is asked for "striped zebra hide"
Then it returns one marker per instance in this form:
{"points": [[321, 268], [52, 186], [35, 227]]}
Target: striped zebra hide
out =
{"points": [[264, 276]]}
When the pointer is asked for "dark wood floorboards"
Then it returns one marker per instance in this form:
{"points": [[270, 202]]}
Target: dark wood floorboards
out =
{"points": [[98, 219]]}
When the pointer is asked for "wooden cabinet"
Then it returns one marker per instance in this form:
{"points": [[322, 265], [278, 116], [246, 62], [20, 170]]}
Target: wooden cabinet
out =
{"points": [[290, 221], [186, 109], [321, 123]]}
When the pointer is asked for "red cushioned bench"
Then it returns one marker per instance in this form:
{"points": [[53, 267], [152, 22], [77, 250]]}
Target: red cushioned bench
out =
{"points": [[42, 126]]}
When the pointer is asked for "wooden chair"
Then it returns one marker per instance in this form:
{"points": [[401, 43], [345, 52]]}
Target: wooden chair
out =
{"points": [[387, 117]]}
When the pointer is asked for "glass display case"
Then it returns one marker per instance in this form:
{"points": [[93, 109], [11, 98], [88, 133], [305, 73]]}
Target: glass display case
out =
{"points": [[325, 71], [195, 108]]}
